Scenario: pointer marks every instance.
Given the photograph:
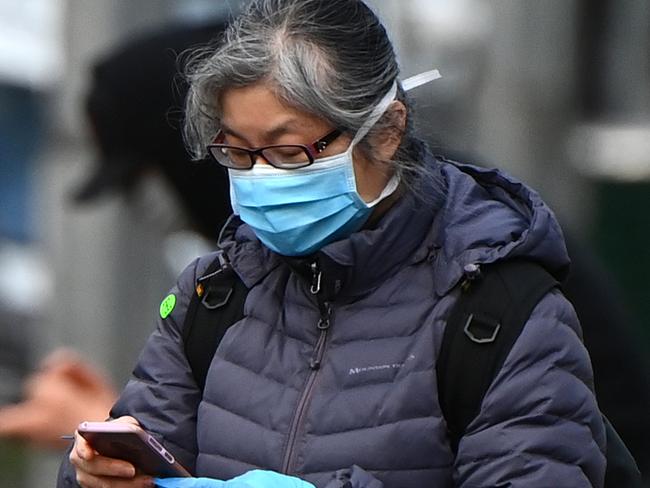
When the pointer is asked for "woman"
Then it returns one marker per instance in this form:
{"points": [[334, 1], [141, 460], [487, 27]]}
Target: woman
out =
{"points": [[352, 240]]}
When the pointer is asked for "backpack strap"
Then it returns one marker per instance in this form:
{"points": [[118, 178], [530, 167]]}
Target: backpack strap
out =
{"points": [[622, 470], [216, 304], [494, 305]]}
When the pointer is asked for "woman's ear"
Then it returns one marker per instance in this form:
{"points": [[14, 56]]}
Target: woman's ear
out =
{"points": [[388, 139]]}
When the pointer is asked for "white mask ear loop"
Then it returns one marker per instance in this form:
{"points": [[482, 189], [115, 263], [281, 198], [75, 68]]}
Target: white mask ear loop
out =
{"points": [[375, 115], [384, 103], [382, 106], [390, 188], [420, 79]]}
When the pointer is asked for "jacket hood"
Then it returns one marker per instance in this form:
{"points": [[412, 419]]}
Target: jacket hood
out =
{"points": [[489, 216], [483, 216]]}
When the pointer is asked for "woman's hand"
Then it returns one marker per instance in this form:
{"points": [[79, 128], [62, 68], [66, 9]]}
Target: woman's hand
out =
{"points": [[95, 471]]}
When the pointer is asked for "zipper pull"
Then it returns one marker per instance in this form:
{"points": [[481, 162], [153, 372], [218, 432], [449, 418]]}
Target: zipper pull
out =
{"points": [[325, 312], [323, 326], [315, 278]]}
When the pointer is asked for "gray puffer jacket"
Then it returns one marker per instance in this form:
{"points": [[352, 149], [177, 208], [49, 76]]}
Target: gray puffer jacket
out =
{"points": [[356, 398]]}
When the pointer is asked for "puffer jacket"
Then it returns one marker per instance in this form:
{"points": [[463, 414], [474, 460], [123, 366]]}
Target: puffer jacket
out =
{"points": [[331, 374]]}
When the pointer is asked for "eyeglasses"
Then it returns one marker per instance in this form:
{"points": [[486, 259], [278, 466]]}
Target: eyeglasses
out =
{"points": [[283, 156]]}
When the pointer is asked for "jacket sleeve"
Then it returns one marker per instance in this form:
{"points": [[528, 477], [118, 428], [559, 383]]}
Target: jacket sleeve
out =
{"points": [[539, 424], [162, 393], [66, 477]]}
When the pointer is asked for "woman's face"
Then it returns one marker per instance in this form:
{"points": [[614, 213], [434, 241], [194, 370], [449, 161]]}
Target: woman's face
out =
{"points": [[253, 116]]}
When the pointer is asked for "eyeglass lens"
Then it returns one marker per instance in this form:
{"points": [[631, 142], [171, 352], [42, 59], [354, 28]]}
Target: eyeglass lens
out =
{"points": [[282, 156]]}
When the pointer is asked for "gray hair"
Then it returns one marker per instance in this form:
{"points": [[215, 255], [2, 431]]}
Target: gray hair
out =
{"points": [[330, 58]]}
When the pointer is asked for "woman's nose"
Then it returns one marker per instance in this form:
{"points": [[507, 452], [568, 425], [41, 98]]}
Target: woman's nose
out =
{"points": [[260, 159]]}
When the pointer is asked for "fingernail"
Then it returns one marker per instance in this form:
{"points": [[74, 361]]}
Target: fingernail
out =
{"points": [[149, 483]]}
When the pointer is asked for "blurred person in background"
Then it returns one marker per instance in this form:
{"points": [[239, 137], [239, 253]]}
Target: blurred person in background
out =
{"points": [[134, 109]]}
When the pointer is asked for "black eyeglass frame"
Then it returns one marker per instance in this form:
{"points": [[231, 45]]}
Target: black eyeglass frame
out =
{"points": [[311, 151]]}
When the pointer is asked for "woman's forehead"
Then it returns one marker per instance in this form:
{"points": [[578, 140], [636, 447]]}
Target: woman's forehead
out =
{"points": [[257, 109]]}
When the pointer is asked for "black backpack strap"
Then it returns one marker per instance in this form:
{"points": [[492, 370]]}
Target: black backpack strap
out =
{"points": [[622, 470], [216, 304], [495, 303]]}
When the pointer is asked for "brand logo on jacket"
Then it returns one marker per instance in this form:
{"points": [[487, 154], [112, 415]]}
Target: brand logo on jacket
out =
{"points": [[379, 367]]}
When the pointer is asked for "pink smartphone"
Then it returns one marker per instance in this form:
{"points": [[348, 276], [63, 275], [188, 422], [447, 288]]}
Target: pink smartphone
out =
{"points": [[131, 443]]}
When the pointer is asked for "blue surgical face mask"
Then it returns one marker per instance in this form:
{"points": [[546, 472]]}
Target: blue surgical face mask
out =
{"points": [[297, 212]]}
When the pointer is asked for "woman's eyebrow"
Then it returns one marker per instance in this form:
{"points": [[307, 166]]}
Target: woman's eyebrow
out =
{"points": [[231, 132], [280, 130], [286, 126]]}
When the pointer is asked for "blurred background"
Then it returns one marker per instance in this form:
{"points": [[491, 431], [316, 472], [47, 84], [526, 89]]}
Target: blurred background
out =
{"points": [[556, 93]]}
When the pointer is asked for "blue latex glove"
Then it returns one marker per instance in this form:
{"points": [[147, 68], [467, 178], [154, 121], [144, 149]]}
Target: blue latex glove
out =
{"points": [[253, 479]]}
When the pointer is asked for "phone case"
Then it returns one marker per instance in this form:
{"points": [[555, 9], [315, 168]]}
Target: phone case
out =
{"points": [[131, 443]]}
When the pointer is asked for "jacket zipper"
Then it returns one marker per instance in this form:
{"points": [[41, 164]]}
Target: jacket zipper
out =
{"points": [[314, 365]]}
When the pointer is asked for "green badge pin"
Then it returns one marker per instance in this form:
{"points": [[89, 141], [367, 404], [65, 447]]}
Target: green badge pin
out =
{"points": [[167, 305]]}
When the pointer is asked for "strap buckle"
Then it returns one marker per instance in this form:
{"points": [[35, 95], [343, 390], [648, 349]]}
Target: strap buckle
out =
{"points": [[481, 329], [215, 290]]}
